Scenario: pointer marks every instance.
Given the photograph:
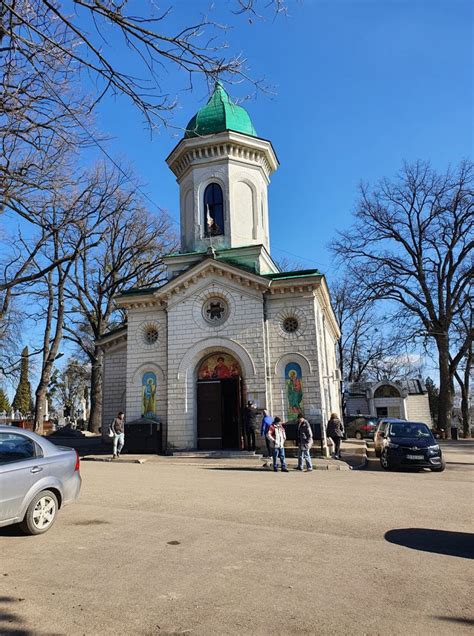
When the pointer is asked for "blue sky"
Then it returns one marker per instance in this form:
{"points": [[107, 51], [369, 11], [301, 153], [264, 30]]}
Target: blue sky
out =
{"points": [[358, 87]]}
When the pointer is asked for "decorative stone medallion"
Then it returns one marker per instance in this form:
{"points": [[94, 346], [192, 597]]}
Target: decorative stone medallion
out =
{"points": [[215, 311], [213, 307], [291, 322], [149, 334]]}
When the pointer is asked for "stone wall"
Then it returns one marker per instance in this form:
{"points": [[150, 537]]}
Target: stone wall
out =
{"points": [[191, 338], [113, 384], [300, 347], [143, 357], [418, 409]]}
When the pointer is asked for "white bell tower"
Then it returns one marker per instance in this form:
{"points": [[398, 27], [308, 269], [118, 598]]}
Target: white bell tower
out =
{"points": [[223, 170]]}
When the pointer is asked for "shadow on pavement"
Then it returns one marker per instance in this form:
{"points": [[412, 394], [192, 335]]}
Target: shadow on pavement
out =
{"points": [[10, 622], [239, 468], [460, 544], [12, 531], [456, 619]]}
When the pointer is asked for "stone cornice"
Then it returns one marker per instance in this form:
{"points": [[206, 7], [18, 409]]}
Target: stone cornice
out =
{"points": [[226, 145], [109, 341], [193, 275]]}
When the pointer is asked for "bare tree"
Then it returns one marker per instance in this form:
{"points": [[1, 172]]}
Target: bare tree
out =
{"points": [[72, 221], [411, 243], [129, 255], [41, 30], [71, 385], [367, 350], [51, 55]]}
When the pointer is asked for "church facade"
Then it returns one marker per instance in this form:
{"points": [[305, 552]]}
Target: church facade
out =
{"points": [[228, 326]]}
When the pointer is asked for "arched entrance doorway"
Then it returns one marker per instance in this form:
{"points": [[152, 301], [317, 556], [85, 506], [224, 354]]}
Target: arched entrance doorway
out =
{"points": [[219, 403]]}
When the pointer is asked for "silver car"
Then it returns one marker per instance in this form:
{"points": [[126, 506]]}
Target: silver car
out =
{"points": [[36, 479]]}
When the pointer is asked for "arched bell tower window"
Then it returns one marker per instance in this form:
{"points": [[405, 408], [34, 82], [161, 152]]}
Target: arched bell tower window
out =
{"points": [[213, 210]]}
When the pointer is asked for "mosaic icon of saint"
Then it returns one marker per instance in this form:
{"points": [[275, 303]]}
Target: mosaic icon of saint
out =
{"points": [[221, 370], [294, 394], [149, 392]]}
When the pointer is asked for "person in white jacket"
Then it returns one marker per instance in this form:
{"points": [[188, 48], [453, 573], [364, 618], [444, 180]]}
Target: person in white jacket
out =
{"points": [[277, 436]]}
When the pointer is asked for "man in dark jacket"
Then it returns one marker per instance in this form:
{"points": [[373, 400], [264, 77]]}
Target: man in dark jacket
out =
{"points": [[304, 439], [335, 430], [118, 429], [251, 425]]}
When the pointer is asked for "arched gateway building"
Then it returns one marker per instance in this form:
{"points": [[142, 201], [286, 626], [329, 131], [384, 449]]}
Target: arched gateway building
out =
{"points": [[228, 325]]}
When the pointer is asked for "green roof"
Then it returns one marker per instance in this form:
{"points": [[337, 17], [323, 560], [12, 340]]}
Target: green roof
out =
{"points": [[302, 273], [138, 290], [219, 114], [203, 252]]}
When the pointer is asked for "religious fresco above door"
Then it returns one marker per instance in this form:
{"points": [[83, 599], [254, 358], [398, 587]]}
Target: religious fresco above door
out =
{"points": [[149, 395], [294, 390], [219, 366]]}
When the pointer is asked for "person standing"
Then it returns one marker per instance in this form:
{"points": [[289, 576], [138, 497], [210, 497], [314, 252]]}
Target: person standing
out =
{"points": [[251, 425], [304, 439], [277, 436], [335, 430], [118, 429], [267, 421]]}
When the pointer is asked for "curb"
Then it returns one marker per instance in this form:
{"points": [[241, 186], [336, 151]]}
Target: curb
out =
{"points": [[115, 461], [342, 466], [365, 460]]}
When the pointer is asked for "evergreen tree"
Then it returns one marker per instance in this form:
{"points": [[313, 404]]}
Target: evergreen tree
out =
{"points": [[4, 402], [23, 399]]}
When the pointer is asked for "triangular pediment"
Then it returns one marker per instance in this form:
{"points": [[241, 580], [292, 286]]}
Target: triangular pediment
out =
{"points": [[206, 268], [210, 267]]}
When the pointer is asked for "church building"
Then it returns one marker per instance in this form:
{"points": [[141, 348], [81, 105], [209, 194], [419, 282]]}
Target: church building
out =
{"points": [[228, 326]]}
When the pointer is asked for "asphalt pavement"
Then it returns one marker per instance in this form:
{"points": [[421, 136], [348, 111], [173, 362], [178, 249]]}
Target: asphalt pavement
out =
{"points": [[225, 547]]}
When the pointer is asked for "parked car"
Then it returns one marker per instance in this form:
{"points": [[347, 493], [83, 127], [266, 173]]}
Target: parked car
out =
{"points": [[360, 426], [37, 478], [410, 444], [381, 430]]}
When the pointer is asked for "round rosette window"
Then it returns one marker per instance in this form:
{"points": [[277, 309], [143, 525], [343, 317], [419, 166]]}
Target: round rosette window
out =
{"points": [[150, 334], [291, 322], [215, 311]]}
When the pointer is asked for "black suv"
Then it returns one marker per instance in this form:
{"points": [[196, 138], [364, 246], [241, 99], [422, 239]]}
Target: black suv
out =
{"points": [[410, 444]]}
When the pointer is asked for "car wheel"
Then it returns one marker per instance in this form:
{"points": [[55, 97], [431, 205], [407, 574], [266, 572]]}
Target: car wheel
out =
{"points": [[384, 462], [41, 513], [440, 468], [358, 435]]}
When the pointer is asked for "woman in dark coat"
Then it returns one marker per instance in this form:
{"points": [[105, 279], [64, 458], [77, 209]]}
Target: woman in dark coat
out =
{"points": [[335, 430]]}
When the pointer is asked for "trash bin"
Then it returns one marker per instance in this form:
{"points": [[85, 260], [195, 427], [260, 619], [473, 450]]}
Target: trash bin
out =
{"points": [[454, 433], [143, 436], [316, 427]]}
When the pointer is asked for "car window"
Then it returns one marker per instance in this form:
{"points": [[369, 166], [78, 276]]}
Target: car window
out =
{"points": [[14, 448], [407, 429]]}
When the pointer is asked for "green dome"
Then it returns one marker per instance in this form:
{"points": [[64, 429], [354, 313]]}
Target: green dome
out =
{"points": [[219, 114]]}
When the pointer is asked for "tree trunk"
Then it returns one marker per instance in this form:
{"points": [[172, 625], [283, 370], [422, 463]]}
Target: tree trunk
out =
{"points": [[445, 404], [95, 416], [465, 413], [40, 406]]}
